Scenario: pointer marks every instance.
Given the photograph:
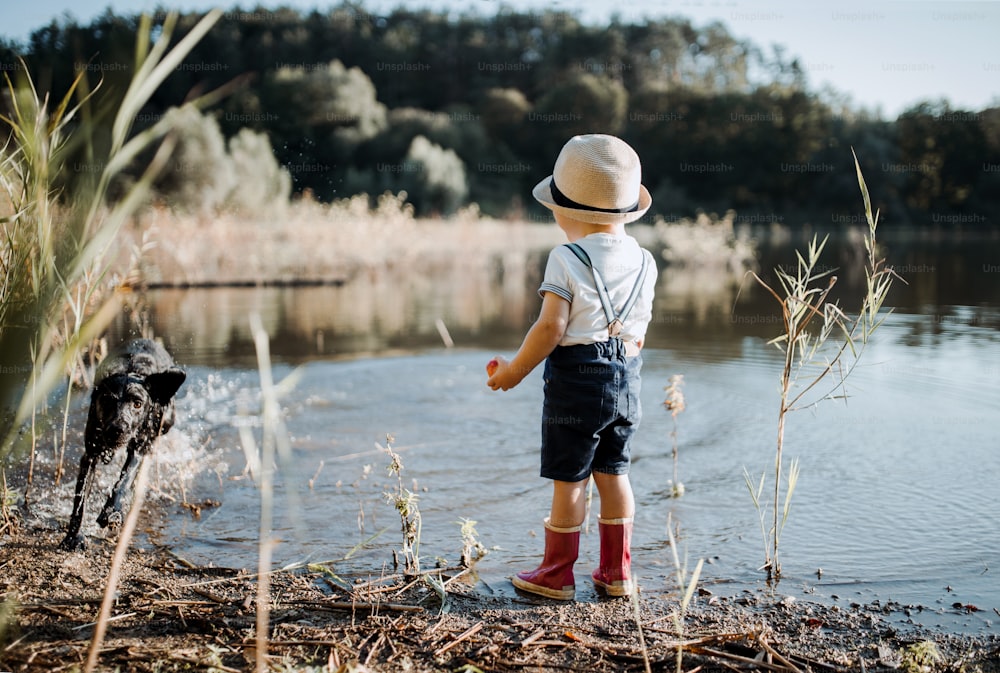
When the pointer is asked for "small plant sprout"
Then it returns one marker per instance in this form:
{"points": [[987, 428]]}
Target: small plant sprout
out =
{"points": [[405, 502], [921, 657], [818, 340], [472, 548], [686, 585], [674, 403]]}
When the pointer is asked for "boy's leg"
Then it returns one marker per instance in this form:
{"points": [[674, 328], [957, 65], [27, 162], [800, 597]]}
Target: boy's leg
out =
{"points": [[617, 501], [569, 503], [615, 524], [554, 577]]}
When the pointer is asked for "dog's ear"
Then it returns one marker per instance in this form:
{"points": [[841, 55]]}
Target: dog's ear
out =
{"points": [[162, 386]]}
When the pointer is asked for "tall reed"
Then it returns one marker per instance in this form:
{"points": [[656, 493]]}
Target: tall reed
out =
{"points": [[811, 358], [55, 247], [275, 443]]}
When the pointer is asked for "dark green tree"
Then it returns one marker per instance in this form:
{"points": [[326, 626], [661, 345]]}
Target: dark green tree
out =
{"points": [[941, 152], [578, 102]]}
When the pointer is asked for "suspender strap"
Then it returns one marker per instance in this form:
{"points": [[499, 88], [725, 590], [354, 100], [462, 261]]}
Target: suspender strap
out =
{"points": [[636, 289], [602, 289], [615, 320]]}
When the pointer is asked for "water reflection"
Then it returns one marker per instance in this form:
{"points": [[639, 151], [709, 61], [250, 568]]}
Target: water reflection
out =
{"points": [[491, 303], [377, 311]]}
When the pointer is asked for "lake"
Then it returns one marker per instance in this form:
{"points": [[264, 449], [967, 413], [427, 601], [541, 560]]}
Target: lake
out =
{"points": [[896, 502]]}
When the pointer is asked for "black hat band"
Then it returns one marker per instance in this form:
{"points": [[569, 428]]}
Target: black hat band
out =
{"points": [[561, 199]]}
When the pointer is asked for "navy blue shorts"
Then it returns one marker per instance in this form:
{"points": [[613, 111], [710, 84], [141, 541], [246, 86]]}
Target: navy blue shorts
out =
{"points": [[591, 410]]}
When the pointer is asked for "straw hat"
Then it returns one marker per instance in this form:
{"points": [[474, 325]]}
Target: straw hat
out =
{"points": [[597, 179]]}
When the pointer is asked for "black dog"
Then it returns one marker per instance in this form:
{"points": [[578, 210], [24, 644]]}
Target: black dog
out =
{"points": [[131, 405]]}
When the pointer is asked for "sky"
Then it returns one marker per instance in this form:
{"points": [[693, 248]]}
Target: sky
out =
{"points": [[883, 55]]}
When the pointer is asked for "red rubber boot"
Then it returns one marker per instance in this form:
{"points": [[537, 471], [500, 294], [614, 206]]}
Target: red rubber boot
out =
{"points": [[554, 578], [615, 572]]}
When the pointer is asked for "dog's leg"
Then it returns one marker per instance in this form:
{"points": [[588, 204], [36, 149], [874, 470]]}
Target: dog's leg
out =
{"points": [[111, 515], [74, 540]]}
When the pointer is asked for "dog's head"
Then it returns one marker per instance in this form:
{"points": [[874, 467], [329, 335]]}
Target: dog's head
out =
{"points": [[125, 406]]}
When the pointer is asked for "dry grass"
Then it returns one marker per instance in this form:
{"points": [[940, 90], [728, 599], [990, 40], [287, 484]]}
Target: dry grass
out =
{"points": [[312, 241], [708, 242]]}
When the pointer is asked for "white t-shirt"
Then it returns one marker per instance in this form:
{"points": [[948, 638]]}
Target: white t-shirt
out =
{"points": [[618, 259]]}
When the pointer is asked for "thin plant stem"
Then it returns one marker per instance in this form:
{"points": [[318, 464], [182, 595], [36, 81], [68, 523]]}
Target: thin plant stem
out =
{"points": [[269, 411], [782, 415], [803, 301], [34, 431], [637, 615], [65, 429], [114, 574], [686, 585], [674, 403], [406, 504]]}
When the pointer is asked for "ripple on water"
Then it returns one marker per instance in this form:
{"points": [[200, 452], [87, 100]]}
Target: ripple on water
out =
{"points": [[896, 496]]}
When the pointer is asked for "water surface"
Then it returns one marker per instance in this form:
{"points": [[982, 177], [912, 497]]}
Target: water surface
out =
{"points": [[897, 496]]}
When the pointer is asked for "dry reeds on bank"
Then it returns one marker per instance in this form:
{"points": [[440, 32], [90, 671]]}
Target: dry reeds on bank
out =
{"points": [[171, 615], [320, 242], [708, 242]]}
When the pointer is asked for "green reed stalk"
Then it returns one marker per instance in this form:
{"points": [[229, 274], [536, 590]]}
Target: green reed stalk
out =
{"points": [[811, 356]]}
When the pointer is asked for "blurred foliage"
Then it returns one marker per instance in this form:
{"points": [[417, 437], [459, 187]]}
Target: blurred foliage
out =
{"points": [[342, 95], [206, 174]]}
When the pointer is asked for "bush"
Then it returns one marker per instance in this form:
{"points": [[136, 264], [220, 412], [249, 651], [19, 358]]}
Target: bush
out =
{"points": [[504, 112], [579, 103], [199, 177], [204, 177], [437, 183], [260, 184], [707, 241], [331, 96]]}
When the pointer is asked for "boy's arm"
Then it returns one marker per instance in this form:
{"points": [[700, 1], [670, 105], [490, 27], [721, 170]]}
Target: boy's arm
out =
{"points": [[540, 340]]}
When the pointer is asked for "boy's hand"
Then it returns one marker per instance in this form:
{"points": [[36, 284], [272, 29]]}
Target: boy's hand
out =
{"points": [[502, 377], [544, 335]]}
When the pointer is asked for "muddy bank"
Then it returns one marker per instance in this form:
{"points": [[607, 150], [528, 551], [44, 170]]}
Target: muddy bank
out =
{"points": [[170, 616]]}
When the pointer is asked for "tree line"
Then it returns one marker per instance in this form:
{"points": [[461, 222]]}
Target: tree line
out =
{"points": [[473, 109]]}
